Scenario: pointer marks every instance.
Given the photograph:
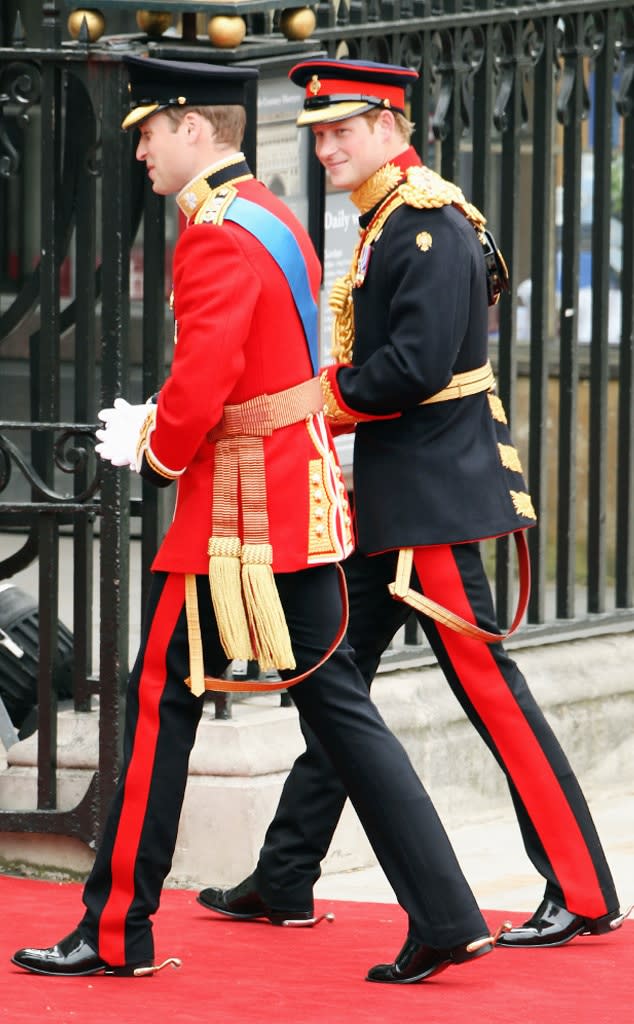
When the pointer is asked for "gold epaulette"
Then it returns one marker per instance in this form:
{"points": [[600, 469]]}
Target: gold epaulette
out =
{"points": [[426, 190], [214, 208]]}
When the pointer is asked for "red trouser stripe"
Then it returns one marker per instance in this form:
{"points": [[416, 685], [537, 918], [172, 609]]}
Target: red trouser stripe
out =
{"points": [[139, 774], [528, 766]]}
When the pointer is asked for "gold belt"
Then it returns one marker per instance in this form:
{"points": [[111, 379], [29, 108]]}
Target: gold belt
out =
{"points": [[471, 382]]}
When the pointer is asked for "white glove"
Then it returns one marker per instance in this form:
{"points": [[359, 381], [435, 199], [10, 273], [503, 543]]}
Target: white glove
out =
{"points": [[118, 442]]}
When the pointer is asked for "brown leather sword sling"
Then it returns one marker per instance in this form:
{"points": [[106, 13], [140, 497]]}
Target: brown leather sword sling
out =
{"points": [[402, 591]]}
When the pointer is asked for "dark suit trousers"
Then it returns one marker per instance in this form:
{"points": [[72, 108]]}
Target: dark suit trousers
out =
{"points": [[555, 822], [135, 855]]}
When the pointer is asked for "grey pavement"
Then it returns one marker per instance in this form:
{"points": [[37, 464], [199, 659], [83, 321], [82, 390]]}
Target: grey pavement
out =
{"points": [[492, 856]]}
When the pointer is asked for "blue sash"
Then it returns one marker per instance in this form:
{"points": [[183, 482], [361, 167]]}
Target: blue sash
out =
{"points": [[281, 243]]}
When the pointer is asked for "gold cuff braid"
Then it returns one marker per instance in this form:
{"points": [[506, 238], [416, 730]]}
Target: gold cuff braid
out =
{"points": [[332, 410]]}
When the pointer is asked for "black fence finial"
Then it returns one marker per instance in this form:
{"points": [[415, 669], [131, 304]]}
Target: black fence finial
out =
{"points": [[19, 36]]}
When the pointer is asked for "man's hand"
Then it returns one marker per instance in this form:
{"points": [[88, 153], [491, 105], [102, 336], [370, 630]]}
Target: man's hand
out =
{"points": [[118, 441]]}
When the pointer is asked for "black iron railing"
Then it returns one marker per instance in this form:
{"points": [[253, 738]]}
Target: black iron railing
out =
{"points": [[527, 105]]}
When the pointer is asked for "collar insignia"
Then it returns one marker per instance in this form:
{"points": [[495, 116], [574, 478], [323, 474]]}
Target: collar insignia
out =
{"points": [[376, 187]]}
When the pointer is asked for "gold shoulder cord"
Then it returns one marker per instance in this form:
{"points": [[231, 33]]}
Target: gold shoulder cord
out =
{"points": [[340, 299], [422, 189]]}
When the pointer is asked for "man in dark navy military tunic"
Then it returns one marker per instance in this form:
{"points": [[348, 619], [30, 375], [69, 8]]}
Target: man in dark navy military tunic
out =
{"points": [[435, 472]]}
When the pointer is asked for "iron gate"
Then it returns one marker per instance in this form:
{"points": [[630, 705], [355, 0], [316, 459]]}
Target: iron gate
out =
{"points": [[511, 100]]}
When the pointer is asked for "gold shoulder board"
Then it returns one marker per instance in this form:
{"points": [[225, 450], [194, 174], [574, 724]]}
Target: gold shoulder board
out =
{"points": [[214, 208]]}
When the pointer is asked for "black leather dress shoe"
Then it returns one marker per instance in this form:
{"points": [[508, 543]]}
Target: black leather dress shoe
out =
{"points": [[71, 957], [553, 925], [416, 962], [244, 903]]}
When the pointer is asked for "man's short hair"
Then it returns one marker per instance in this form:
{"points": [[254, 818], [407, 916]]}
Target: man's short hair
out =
{"points": [[228, 122], [404, 127]]}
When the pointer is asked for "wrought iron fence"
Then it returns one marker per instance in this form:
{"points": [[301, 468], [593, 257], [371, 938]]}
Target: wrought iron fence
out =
{"points": [[527, 105]]}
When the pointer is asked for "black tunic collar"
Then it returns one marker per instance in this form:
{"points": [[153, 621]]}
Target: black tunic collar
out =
{"points": [[236, 168]]}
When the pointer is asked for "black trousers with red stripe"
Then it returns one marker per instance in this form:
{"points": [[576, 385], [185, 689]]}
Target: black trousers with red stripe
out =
{"points": [[555, 822], [135, 855]]}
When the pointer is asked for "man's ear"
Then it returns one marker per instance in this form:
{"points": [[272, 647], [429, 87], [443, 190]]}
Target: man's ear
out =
{"points": [[386, 123], [192, 123]]}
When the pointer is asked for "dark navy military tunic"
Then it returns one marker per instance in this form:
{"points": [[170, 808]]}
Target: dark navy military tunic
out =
{"points": [[434, 475]]}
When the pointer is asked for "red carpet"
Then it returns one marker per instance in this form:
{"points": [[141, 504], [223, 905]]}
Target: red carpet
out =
{"points": [[253, 973]]}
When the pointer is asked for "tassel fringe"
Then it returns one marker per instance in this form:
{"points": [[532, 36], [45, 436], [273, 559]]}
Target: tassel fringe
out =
{"points": [[226, 595], [264, 610]]}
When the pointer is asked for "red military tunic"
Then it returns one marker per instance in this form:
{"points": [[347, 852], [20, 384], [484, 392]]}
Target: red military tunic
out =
{"points": [[239, 335]]}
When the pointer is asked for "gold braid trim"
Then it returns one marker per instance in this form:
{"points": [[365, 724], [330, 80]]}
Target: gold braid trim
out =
{"points": [[422, 189], [333, 411]]}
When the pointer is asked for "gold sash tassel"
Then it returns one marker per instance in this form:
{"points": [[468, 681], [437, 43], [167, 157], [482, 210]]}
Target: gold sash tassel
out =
{"points": [[224, 550], [226, 595], [267, 622]]}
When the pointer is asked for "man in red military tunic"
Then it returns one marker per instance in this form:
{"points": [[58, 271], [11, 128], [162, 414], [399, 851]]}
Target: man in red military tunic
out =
{"points": [[248, 566], [435, 472]]}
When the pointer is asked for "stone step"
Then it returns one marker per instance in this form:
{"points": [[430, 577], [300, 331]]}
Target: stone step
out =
{"points": [[238, 767]]}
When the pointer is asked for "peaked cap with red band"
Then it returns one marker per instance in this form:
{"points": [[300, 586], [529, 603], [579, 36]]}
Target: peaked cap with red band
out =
{"points": [[337, 89]]}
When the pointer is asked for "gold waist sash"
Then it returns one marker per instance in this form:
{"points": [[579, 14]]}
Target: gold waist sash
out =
{"points": [[260, 416], [248, 611]]}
